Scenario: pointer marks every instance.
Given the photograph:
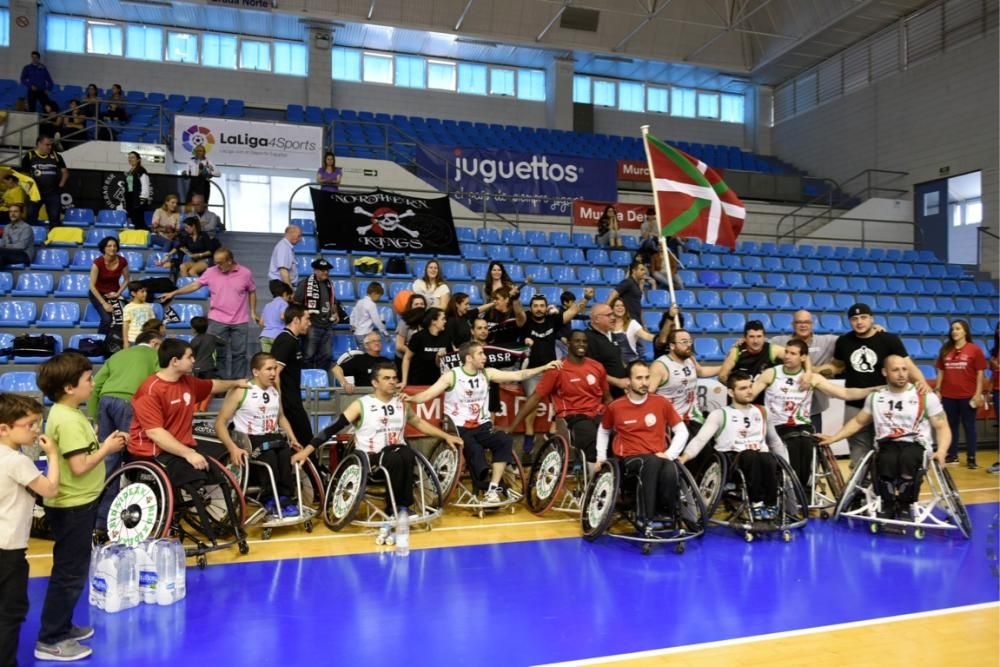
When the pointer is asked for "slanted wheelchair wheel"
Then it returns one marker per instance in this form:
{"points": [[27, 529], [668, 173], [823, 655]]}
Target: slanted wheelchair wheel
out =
{"points": [[514, 481], [345, 491], [835, 478], [142, 503], [447, 462], [855, 485], [956, 508], [312, 486], [548, 474], [222, 483], [692, 512], [795, 500], [600, 500], [713, 481], [427, 494]]}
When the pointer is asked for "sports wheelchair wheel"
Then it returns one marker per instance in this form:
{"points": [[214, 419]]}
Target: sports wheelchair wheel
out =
{"points": [[548, 474], [860, 482], [713, 482], [952, 502], [600, 500], [791, 496], [214, 496], [514, 481], [692, 511], [447, 462], [346, 490], [142, 503]]}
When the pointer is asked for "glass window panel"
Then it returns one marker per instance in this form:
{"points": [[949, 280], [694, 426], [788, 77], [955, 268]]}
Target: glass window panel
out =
{"points": [[630, 96], [218, 50], [604, 93], [144, 42], [682, 102], [182, 47], [4, 27], [65, 34], [255, 55], [531, 84], [291, 59], [104, 39], [974, 212], [581, 89], [472, 78], [657, 99], [440, 75], [411, 72], [377, 68], [501, 81], [708, 105], [346, 64], [732, 109]]}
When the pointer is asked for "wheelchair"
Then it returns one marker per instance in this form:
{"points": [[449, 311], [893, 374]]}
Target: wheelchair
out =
{"points": [[826, 484], [145, 504], [725, 486], [942, 511], [558, 475], [359, 494], [611, 507], [448, 462], [256, 477]]}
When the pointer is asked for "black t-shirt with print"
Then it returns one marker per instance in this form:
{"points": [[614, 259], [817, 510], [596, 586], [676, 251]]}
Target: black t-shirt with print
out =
{"points": [[863, 358]]}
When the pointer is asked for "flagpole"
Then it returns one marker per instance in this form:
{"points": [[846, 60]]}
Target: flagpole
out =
{"points": [[663, 241]]}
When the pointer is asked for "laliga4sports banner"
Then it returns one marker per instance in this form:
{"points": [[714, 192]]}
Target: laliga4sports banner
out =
{"points": [[243, 143], [587, 213], [381, 220], [508, 182]]}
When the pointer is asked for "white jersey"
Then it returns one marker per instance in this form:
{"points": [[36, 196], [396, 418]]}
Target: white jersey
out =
{"points": [[903, 415], [258, 411], [381, 424], [681, 387], [787, 403], [467, 400], [742, 429]]}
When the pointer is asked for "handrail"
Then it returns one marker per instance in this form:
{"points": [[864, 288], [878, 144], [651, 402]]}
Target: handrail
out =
{"points": [[828, 194], [983, 230]]}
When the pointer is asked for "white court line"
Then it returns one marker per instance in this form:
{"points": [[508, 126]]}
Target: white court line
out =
{"points": [[771, 636], [344, 536], [961, 491]]}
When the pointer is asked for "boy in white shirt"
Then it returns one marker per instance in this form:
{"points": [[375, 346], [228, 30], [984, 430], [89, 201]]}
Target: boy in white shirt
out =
{"points": [[365, 317]]}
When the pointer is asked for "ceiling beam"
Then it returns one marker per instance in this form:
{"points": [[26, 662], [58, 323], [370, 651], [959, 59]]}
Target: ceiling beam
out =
{"points": [[545, 30], [461, 19], [642, 24], [739, 21], [371, 10]]}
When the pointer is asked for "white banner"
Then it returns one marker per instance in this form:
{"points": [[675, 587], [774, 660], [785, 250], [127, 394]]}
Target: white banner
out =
{"points": [[245, 143]]}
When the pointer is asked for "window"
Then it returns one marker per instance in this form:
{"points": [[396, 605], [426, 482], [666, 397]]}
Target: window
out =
{"points": [[581, 89], [104, 39], [657, 99], [255, 55], [974, 212], [182, 47], [4, 27], [708, 105], [630, 96], [501, 81], [604, 93], [377, 68], [440, 75], [346, 64], [218, 50], [732, 109], [682, 102], [472, 78], [291, 59], [65, 34], [144, 42], [531, 84], [410, 72]]}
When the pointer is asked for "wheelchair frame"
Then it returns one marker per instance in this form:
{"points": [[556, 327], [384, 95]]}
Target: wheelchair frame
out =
{"points": [[826, 483], [601, 514], [944, 496], [557, 464]]}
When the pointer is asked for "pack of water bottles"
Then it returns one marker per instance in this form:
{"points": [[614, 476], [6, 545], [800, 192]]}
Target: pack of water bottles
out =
{"points": [[152, 572]]}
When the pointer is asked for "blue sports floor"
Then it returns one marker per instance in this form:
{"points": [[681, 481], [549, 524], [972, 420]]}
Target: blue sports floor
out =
{"points": [[527, 603]]}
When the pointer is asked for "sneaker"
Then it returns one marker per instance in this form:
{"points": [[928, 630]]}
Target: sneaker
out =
{"points": [[269, 506], [492, 496], [757, 512], [81, 632], [65, 651], [771, 513], [971, 463], [289, 508], [951, 459], [994, 469]]}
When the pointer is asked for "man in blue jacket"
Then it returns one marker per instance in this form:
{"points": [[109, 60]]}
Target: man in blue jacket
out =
{"points": [[36, 78]]}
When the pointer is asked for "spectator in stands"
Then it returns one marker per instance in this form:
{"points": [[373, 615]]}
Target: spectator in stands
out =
{"points": [[200, 170], [136, 313], [365, 317], [52, 121], [166, 222], [36, 78], [232, 303], [329, 175], [138, 191], [820, 353], [626, 332], [206, 347], [496, 277], [631, 289], [424, 351], [753, 354], [75, 124], [210, 222], [315, 293], [50, 173], [271, 315], [433, 286], [602, 349], [607, 229], [358, 365], [961, 367], [408, 324], [506, 318], [17, 245], [661, 346], [92, 103], [13, 193], [114, 110], [282, 268], [459, 318], [109, 275], [288, 353], [196, 246]]}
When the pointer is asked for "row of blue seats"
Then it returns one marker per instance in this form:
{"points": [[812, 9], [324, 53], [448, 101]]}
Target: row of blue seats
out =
{"points": [[848, 267], [806, 250], [37, 283], [58, 259], [798, 282], [66, 314]]}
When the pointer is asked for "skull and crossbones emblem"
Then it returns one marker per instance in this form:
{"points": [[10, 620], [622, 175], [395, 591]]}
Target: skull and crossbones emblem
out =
{"points": [[385, 220]]}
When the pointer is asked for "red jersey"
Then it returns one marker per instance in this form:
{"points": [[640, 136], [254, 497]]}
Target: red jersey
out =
{"points": [[958, 379], [169, 405], [576, 389], [640, 428]]}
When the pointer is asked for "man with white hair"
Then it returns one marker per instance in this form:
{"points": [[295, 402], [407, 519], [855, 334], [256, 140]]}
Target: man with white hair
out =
{"points": [[282, 267]]}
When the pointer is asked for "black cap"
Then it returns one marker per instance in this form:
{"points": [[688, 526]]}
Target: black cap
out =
{"points": [[321, 264], [859, 309]]}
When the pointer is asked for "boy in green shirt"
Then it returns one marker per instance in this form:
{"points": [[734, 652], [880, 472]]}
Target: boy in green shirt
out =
{"points": [[66, 379]]}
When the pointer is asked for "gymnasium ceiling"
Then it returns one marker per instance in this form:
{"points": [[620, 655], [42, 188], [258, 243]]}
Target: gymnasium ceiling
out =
{"points": [[713, 43]]}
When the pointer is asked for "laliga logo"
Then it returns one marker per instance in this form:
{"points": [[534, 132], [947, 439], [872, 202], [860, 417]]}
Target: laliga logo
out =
{"points": [[198, 135], [537, 169]]}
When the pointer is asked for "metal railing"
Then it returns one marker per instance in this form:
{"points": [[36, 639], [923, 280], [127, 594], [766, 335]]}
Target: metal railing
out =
{"points": [[984, 264]]}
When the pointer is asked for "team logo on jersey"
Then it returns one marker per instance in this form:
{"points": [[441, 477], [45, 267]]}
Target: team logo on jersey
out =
{"points": [[863, 360], [187, 398], [650, 420], [591, 380]]}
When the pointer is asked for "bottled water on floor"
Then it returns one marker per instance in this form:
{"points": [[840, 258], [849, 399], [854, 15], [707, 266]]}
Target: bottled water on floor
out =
{"points": [[145, 558], [170, 564], [115, 582], [402, 532]]}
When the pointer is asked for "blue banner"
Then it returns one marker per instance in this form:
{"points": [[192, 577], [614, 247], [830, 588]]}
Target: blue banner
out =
{"points": [[507, 182]]}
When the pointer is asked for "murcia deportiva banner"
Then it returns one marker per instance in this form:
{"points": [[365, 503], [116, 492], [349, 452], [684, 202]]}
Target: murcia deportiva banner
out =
{"points": [[243, 143], [384, 221]]}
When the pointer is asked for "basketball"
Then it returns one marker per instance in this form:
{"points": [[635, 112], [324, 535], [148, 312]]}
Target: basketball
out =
{"points": [[399, 303]]}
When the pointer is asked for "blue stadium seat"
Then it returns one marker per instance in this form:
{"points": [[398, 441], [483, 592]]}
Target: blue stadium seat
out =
{"points": [[30, 283], [805, 250], [786, 250], [466, 234], [937, 271], [521, 253], [685, 299], [110, 218], [900, 269], [939, 325], [302, 263], [199, 294], [41, 235], [658, 298], [51, 258], [780, 301], [488, 235], [753, 279], [831, 267], [829, 323], [620, 258], [954, 287], [707, 322], [388, 316], [93, 236], [59, 314], [733, 322], [913, 347], [921, 271], [707, 349], [732, 279], [954, 271], [859, 253], [475, 251], [651, 320], [876, 254], [756, 300], [540, 273], [573, 256], [916, 286], [768, 249], [455, 270], [858, 284], [823, 301], [6, 282], [792, 265], [962, 305], [136, 260], [823, 252], [709, 299], [552, 293], [630, 242], [17, 313], [801, 301], [343, 290], [564, 275], [710, 262], [499, 253], [548, 254], [689, 261], [307, 226], [17, 359], [598, 257], [775, 281], [689, 278], [763, 318], [584, 240], [748, 248], [516, 273], [983, 305], [844, 301], [185, 311], [710, 279], [980, 327], [812, 266], [945, 304], [601, 294], [589, 275], [536, 238], [478, 270], [6, 342], [560, 239], [986, 288], [733, 300], [79, 217], [899, 325], [19, 382], [73, 284], [931, 347], [885, 304], [83, 259], [796, 282], [307, 245], [772, 264], [315, 378], [614, 275], [734, 262], [837, 283], [816, 283], [782, 322], [512, 237]]}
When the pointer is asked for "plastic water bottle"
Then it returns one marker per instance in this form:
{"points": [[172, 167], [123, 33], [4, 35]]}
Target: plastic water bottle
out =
{"points": [[145, 560], [180, 574], [170, 563], [402, 532], [96, 589], [128, 578]]}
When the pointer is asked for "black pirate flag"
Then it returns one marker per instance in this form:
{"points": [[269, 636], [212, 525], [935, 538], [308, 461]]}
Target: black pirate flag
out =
{"points": [[383, 221]]}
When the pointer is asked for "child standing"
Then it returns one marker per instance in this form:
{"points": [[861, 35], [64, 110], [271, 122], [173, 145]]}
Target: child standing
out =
{"points": [[66, 380], [272, 323], [365, 317], [136, 313], [20, 418], [205, 346]]}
